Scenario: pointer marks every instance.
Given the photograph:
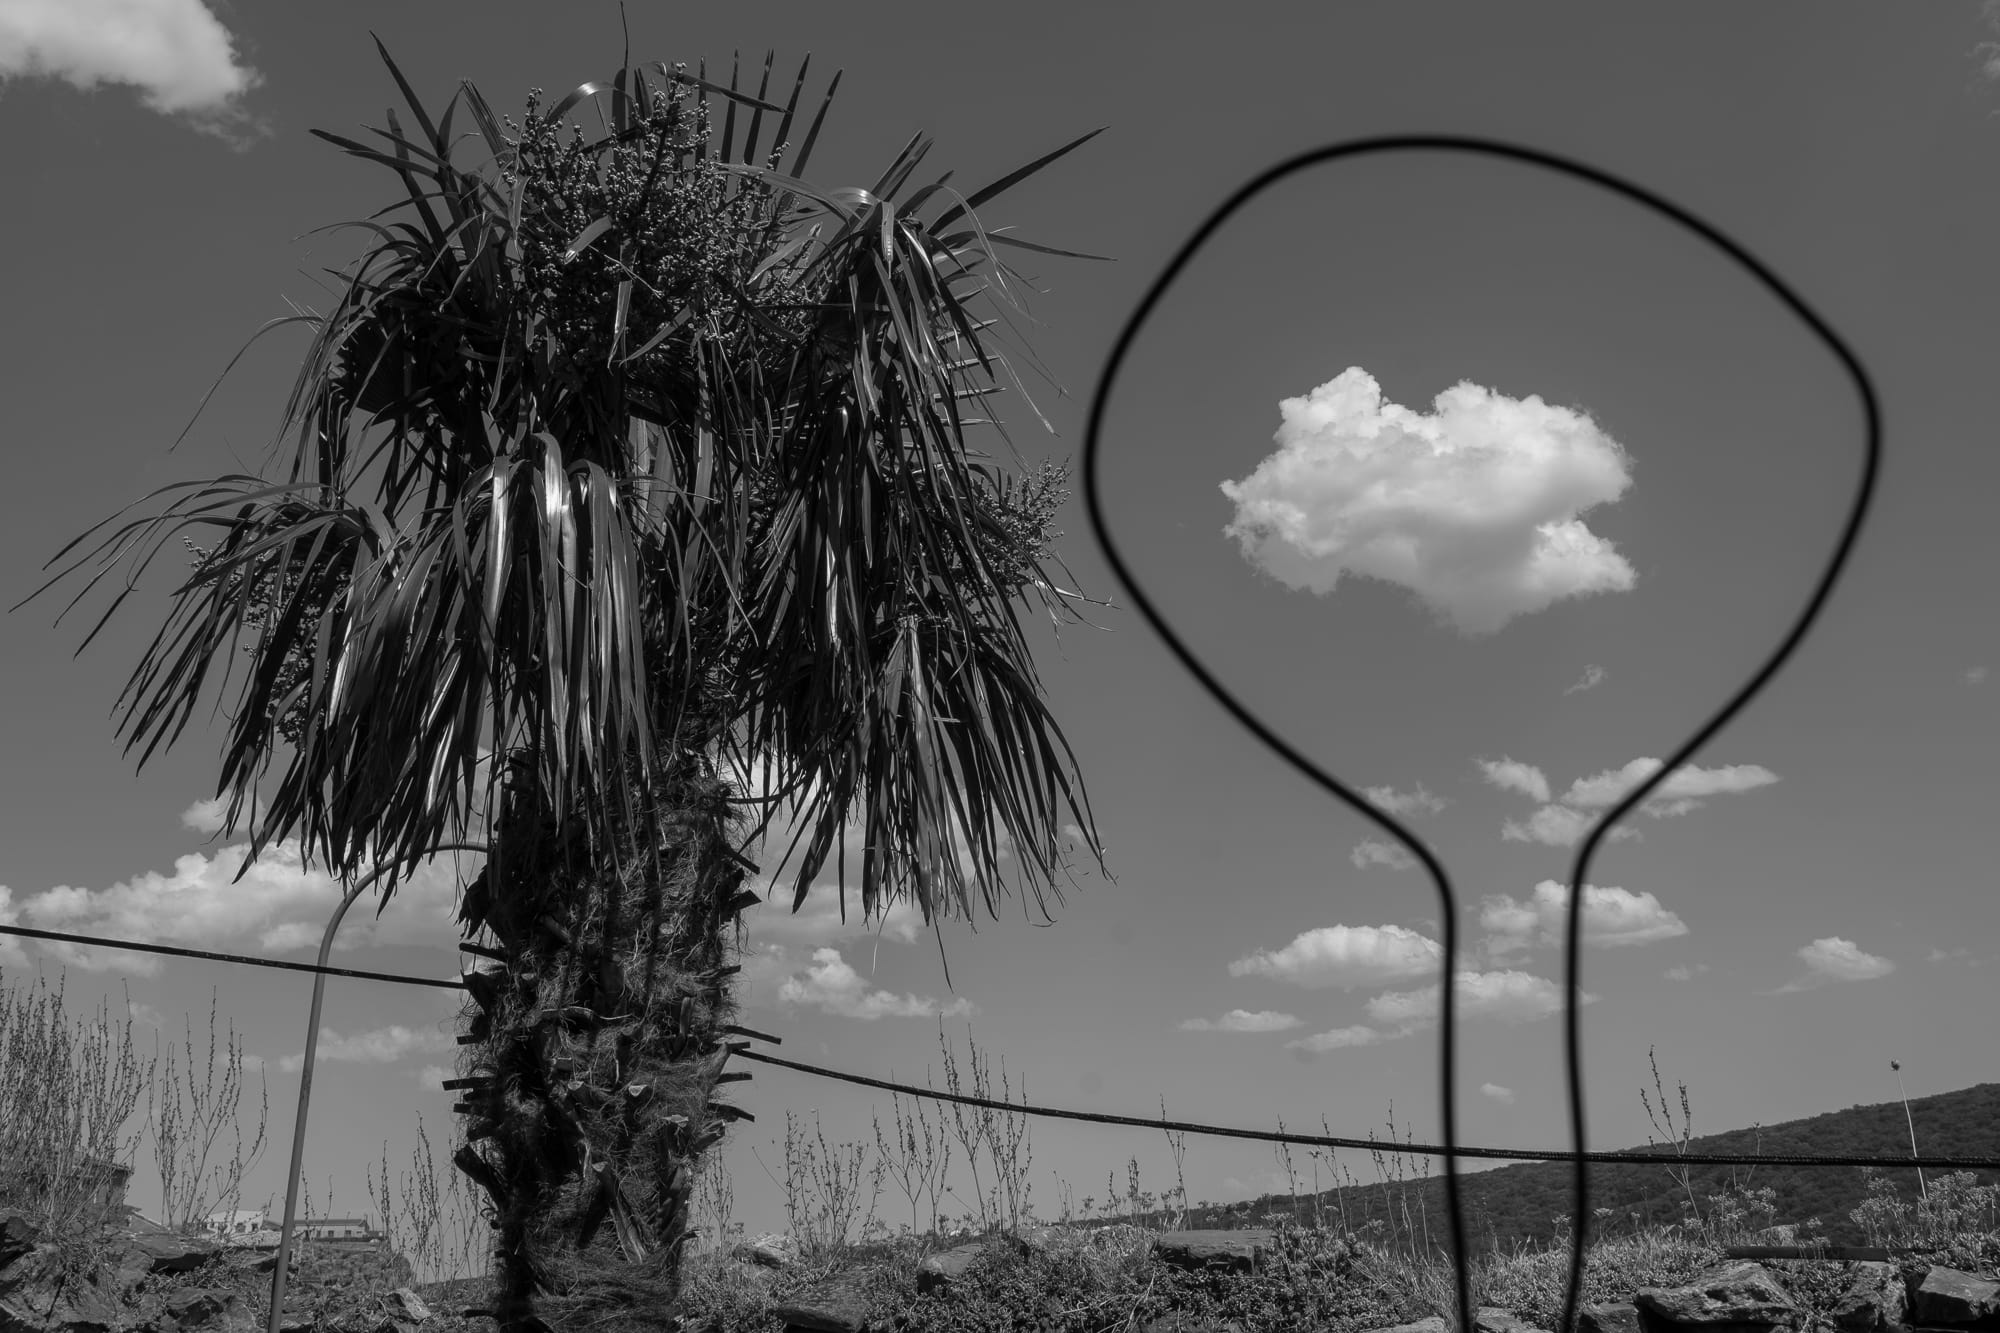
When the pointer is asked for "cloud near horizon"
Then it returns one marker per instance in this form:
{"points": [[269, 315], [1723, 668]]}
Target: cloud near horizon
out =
{"points": [[830, 984], [1836, 959], [1345, 956], [1473, 507], [1505, 995], [382, 1046], [1377, 852], [177, 54], [278, 905], [1242, 1020], [1564, 821], [1611, 917]]}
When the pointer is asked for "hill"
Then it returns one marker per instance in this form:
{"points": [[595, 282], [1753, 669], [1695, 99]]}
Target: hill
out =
{"points": [[1523, 1202]]}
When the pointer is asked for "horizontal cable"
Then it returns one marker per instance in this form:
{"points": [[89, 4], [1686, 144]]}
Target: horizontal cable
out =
{"points": [[1392, 1145], [1102, 1118], [245, 959]]}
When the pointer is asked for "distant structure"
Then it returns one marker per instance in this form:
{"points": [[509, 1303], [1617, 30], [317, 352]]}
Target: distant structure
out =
{"points": [[239, 1222], [336, 1228], [101, 1180], [255, 1228]]}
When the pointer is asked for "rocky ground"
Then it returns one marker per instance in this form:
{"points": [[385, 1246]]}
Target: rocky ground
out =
{"points": [[1739, 1296], [125, 1283]]}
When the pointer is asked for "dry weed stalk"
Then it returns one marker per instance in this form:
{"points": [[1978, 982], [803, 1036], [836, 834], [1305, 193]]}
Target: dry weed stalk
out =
{"points": [[66, 1092], [188, 1115]]}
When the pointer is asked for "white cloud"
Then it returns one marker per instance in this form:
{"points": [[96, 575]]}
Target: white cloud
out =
{"points": [[1684, 789], [278, 904], [431, 1077], [1513, 997], [1473, 507], [1513, 775], [1339, 1038], [1418, 802], [1559, 826], [1685, 972], [1836, 959], [176, 53], [1345, 956], [830, 984], [205, 816], [1505, 1096], [1242, 1020], [1611, 917], [382, 1046], [1593, 676], [1375, 852], [1975, 675]]}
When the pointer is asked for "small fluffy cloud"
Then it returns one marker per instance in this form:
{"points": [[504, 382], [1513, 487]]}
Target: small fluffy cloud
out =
{"points": [[1611, 917], [205, 816], [1565, 822], [1418, 802], [383, 1046], [1512, 997], [1473, 507], [1593, 676], [1685, 972], [830, 984], [1242, 1020], [1339, 1039], [1375, 852], [176, 53], [1345, 956], [1558, 826], [1685, 788], [1505, 1096], [1513, 775], [1836, 959], [1975, 675]]}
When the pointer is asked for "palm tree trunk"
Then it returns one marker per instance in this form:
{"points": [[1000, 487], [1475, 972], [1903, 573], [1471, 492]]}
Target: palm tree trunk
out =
{"points": [[597, 1045]]}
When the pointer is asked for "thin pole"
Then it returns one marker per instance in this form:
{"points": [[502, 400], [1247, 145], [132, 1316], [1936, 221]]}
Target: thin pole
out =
{"points": [[1922, 1190], [281, 1272]]}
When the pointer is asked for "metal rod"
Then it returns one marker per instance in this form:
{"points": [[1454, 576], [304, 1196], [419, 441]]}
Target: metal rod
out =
{"points": [[279, 1273], [282, 1271]]}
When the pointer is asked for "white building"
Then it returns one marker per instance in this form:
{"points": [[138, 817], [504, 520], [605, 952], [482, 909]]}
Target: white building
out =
{"points": [[241, 1222]]}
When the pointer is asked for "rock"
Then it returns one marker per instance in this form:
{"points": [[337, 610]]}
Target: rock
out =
{"points": [[1947, 1296], [173, 1254], [1434, 1324], [771, 1251], [193, 1306], [1875, 1300], [407, 1305], [1616, 1317], [1227, 1251], [36, 1306], [18, 1235], [1738, 1296], [838, 1306], [1493, 1319], [941, 1270]]}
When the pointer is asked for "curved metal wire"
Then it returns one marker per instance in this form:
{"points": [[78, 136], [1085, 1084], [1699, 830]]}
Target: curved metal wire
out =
{"points": [[1094, 504]]}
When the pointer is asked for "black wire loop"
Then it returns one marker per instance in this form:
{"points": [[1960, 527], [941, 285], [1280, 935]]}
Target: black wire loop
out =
{"points": [[1326, 781]]}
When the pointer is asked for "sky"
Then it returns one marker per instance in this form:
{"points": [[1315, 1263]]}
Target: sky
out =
{"points": [[1481, 485]]}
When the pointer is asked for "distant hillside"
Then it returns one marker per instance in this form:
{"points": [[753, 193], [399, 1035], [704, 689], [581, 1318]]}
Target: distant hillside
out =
{"points": [[1521, 1202]]}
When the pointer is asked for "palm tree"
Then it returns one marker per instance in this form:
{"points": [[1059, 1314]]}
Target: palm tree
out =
{"points": [[627, 512]]}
